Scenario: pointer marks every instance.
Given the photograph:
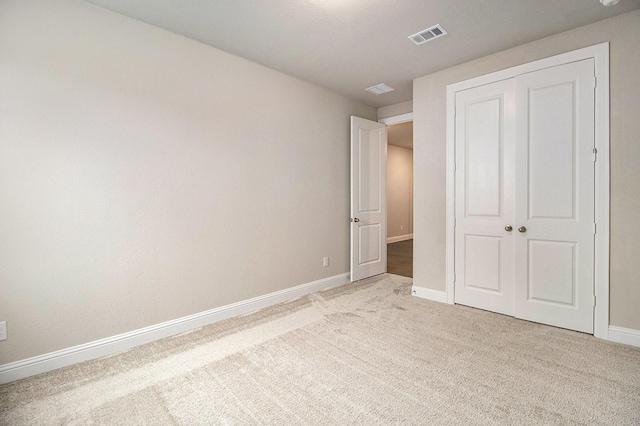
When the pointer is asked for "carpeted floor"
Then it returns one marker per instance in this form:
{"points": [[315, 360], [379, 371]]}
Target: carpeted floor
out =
{"points": [[364, 353]]}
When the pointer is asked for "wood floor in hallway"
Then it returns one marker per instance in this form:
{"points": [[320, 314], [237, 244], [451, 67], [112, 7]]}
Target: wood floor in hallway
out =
{"points": [[400, 258]]}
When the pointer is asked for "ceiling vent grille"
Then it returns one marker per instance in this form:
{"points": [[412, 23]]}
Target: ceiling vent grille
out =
{"points": [[379, 89], [427, 35]]}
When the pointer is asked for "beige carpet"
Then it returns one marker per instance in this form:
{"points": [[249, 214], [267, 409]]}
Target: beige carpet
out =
{"points": [[366, 353]]}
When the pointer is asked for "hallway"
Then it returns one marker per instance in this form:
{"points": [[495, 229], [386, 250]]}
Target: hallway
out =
{"points": [[400, 258]]}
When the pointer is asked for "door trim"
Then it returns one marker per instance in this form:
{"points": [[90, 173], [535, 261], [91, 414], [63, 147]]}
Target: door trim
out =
{"points": [[397, 119], [600, 54]]}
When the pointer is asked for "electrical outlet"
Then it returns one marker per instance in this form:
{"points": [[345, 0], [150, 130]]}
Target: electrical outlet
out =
{"points": [[3, 330], [325, 262], [402, 227]]}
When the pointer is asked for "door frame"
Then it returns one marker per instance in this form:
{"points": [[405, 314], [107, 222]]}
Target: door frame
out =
{"points": [[600, 54], [396, 119]]}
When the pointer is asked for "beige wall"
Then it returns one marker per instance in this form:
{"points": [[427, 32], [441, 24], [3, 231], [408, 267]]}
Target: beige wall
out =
{"points": [[623, 33], [145, 177], [399, 191]]}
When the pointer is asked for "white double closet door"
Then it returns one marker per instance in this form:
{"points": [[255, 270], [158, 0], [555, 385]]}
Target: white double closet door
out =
{"points": [[524, 229]]}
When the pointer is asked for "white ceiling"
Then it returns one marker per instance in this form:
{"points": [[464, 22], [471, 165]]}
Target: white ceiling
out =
{"points": [[349, 45]]}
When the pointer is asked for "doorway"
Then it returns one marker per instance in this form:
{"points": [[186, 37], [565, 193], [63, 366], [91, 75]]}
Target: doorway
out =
{"points": [[400, 198], [381, 179]]}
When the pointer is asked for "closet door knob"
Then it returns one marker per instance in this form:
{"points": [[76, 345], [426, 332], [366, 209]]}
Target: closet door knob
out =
{"points": [[508, 228], [522, 229]]}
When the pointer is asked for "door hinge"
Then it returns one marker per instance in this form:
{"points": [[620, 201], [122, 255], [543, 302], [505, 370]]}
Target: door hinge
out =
{"points": [[594, 301], [454, 277], [595, 82], [595, 154], [594, 229]]}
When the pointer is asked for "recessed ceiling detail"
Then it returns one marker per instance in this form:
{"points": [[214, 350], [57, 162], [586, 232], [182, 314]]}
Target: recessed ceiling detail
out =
{"points": [[379, 89], [427, 35]]}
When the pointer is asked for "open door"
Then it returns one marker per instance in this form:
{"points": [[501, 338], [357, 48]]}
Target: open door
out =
{"points": [[368, 198]]}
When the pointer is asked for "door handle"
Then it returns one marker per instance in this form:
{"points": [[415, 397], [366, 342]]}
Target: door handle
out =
{"points": [[355, 220], [508, 228], [522, 229]]}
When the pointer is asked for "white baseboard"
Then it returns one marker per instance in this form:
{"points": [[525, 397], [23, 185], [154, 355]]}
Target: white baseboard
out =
{"points": [[399, 238], [427, 293], [628, 336], [62, 358]]}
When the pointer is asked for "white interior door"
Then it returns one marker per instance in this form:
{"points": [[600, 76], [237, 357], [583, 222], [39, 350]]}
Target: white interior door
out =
{"points": [[484, 256], [368, 198], [524, 203], [555, 196]]}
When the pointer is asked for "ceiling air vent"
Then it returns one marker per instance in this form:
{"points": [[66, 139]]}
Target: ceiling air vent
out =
{"points": [[379, 89], [427, 35]]}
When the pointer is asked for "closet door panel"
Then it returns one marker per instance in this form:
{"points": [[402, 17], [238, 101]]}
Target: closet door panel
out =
{"points": [[484, 197], [551, 152], [554, 246]]}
